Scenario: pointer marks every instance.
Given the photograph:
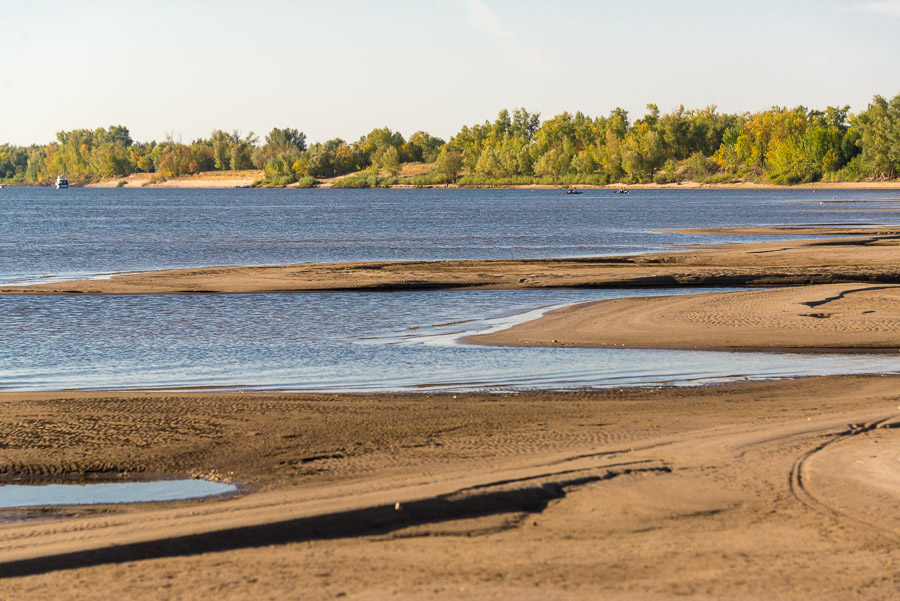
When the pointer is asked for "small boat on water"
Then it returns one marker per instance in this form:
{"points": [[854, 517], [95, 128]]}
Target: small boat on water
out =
{"points": [[622, 191], [61, 182], [573, 191]]}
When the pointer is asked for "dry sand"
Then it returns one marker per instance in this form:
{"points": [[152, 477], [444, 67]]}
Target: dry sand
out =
{"points": [[206, 179], [835, 317], [851, 258], [774, 490]]}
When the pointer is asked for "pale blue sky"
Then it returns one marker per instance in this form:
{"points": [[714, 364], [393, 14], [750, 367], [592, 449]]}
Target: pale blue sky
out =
{"points": [[340, 68]]}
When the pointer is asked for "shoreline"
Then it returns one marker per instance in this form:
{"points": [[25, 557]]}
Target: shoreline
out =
{"points": [[245, 179], [469, 496]]}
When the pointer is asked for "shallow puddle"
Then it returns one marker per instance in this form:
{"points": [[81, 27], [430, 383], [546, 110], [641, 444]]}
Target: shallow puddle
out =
{"points": [[27, 495]]}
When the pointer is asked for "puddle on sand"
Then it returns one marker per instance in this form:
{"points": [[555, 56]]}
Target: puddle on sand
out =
{"points": [[37, 495]]}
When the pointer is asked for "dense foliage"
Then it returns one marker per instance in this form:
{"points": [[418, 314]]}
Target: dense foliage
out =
{"points": [[778, 145]]}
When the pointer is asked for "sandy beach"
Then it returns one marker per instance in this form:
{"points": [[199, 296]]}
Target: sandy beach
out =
{"points": [[206, 179], [777, 490], [748, 490]]}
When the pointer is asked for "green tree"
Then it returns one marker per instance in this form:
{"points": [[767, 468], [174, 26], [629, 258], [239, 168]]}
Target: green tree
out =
{"points": [[644, 152], [733, 150], [879, 127], [448, 165], [279, 155], [241, 149], [422, 146], [675, 128], [524, 124], [390, 161], [13, 162], [221, 145], [286, 140], [376, 142]]}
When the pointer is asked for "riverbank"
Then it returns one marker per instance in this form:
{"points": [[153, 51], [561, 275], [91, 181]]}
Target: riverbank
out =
{"points": [[870, 257], [691, 185], [246, 178], [736, 491]]}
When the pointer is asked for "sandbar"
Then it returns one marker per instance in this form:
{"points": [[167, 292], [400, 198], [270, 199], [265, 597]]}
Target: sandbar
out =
{"points": [[834, 317], [851, 257]]}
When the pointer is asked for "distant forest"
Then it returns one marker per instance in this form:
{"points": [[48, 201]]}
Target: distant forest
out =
{"points": [[778, 145]]}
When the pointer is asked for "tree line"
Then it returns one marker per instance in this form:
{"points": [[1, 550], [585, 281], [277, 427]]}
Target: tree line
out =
{"points": [[778, 145]]}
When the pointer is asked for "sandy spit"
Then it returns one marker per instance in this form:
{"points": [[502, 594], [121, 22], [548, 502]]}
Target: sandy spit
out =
{"points": [[775, 490], [853, 258], [836, 317]]}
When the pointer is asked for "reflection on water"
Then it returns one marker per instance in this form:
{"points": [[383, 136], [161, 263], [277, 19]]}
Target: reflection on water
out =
{"points": [[18, 495], [342, 342]]}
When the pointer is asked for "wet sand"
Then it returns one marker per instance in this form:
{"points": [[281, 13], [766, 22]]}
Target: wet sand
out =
{"points": [[849, 258], [776, 490]]}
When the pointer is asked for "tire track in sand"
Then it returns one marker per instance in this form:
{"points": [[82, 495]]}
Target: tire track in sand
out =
{"points": [[799, 480]]}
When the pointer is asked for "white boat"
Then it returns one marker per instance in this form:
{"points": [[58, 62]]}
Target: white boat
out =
{"points": [[61, 182]]}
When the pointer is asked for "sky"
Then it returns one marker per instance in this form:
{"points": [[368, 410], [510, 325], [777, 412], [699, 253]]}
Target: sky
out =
{"points": [[339, 68]]}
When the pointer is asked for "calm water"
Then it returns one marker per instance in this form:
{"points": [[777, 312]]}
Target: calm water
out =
{"points": [[18, 495], [340, 342], [361, 341], [81, 231]]}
